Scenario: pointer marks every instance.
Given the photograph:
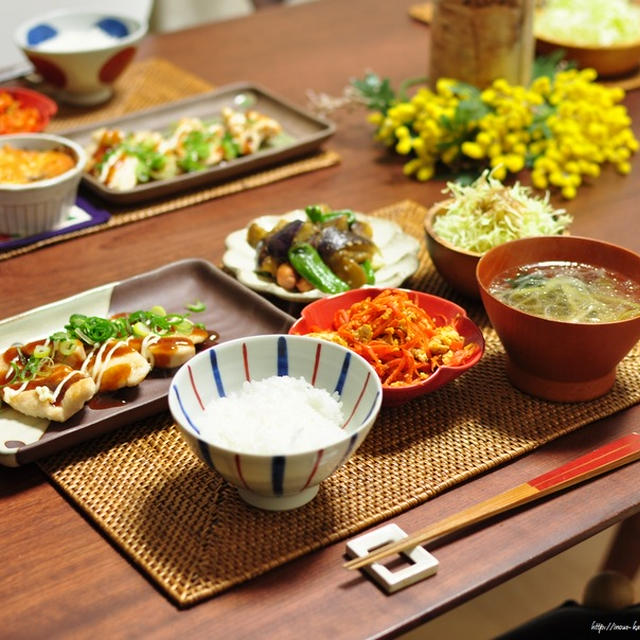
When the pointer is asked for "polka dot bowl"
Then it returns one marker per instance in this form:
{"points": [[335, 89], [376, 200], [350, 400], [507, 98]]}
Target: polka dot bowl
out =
{"points": [[80, 53]]}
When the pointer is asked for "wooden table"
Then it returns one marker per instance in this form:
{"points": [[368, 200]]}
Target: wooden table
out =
{"points": [[60, 578]]}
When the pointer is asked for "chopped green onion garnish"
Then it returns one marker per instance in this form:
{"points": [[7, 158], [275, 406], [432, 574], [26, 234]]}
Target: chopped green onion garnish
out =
{"points": [[30, 369], [186, 326], [140, 329], [41, 351], [67, 347], [94, 330], [197, 306]]}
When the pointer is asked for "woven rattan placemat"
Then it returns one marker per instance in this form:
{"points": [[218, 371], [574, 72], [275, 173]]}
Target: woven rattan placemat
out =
{"points": [[143, 84], [147, 84], [190, 532]]}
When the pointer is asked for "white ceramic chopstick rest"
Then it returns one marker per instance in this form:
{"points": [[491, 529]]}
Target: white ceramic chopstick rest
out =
{"points": [[423, 564]]}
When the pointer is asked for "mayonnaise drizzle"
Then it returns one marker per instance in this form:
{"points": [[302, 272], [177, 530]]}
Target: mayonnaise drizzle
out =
{"points": [[9, 392], [145, 347], [99, 365], [9, 371], [58, 389]]}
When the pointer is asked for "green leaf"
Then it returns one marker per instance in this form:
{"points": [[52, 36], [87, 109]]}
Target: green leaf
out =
{"points": [[467, 178], [469, 110], [446, 121], [465, 90], [548, 65], [142, 172], [148, 158], [377, 92]]}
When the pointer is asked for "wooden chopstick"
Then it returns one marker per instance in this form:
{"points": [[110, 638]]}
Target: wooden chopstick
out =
{"points": [[610, 456]]}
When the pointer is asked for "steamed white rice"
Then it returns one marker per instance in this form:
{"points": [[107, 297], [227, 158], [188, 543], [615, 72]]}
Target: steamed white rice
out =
{"points": [[275, 416]]}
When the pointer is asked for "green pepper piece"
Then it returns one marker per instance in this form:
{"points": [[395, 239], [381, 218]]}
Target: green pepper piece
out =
{"points": [[368, 271], [316, 214], [308, 263]]}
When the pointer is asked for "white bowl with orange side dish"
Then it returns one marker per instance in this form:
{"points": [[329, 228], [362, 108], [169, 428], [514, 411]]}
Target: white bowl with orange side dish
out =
{"points": [[39, 178]]}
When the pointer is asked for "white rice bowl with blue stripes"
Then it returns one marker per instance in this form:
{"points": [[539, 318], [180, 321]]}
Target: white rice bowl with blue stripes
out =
{"points": [[274, 479]]}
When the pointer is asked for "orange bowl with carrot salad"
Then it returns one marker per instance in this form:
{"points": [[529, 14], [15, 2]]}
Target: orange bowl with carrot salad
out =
{"points": [[24, 111], [415, 341]]}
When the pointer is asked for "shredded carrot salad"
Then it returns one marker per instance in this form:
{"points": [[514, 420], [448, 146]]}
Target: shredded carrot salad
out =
{"points": [[16, 118], [403, 343]]}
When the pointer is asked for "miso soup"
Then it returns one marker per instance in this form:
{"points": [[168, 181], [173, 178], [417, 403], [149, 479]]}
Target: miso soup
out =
{"points": [[569, 291]]}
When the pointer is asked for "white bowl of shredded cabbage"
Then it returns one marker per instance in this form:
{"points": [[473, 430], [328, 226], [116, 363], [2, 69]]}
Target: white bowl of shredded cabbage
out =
{"points": [[480, 216], [597, 34]]}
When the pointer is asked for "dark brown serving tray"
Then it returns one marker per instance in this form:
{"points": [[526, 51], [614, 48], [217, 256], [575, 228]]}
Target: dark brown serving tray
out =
{"points": [[302, 133], [232, 310]]}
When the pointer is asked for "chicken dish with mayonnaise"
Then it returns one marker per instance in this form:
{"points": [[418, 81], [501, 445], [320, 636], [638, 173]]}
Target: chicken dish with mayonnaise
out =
{"points": [[121, 161], [55, 377]]}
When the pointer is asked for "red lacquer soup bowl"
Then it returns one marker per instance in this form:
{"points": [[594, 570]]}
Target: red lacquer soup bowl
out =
{"points": [[554, 359]]}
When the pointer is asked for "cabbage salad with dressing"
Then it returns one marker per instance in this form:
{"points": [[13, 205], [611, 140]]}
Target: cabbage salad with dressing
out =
{"points": [[589, 23], [487, 213]]}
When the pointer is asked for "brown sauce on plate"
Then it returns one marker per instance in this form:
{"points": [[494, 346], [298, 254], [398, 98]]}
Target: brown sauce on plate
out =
{"points": [[212, 339], [105, 401], [51, 379]]}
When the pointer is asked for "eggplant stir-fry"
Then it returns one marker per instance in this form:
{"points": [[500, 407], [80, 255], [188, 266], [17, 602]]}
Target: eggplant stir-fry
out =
{"points": [[331, 251]]}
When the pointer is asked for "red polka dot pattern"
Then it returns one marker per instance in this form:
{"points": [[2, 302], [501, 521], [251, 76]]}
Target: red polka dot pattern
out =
{"points": [[50, 71], [113, 67]]}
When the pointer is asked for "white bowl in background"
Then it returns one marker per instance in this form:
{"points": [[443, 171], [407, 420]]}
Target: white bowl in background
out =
{"points": [[79, 52], [26, 209], [284, 480]]}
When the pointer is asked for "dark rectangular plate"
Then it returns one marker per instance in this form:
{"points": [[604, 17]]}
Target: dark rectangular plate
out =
{"points": [[232, 310], [303, 132]]}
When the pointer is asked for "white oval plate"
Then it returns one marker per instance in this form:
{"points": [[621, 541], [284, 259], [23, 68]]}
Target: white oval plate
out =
{"points": [[398, 257]]}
